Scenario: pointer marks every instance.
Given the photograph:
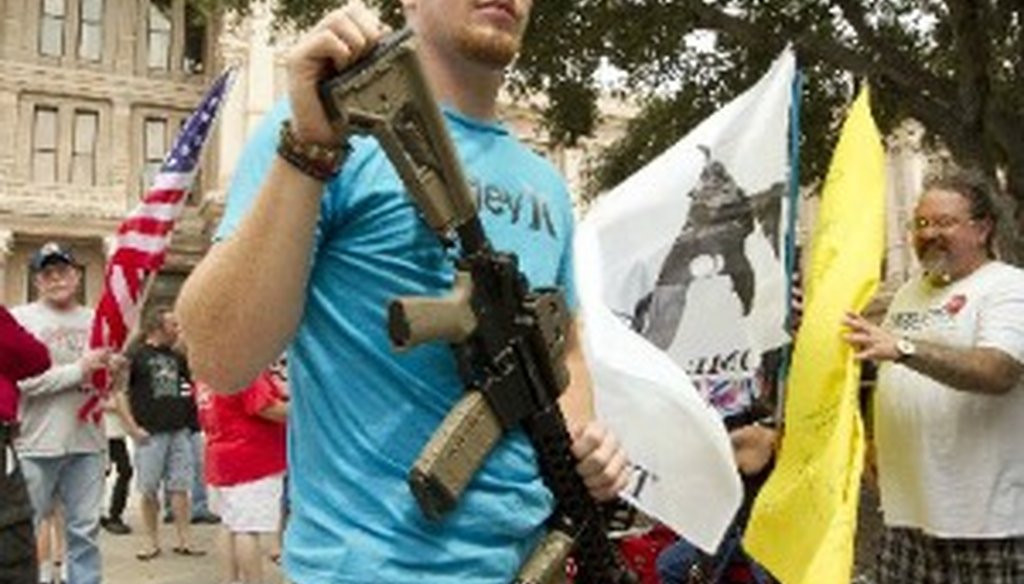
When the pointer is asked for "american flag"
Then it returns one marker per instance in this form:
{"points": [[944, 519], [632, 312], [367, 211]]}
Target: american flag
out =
{"points": [[143, 239]]}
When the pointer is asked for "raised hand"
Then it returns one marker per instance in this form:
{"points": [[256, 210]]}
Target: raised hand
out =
{"points": [[338, 40]]}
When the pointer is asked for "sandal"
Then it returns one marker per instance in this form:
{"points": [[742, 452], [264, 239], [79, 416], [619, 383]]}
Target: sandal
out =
{"points": [[147, 555], [187, 551]]}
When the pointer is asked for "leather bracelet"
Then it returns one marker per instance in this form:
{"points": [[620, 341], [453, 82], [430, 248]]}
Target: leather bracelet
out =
{"points": [[314, 160]]}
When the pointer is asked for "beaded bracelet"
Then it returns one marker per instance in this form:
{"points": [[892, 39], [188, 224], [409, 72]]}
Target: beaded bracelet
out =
{"points": [[314, 160]]}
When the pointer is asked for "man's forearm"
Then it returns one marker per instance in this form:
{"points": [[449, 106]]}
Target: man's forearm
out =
{"points": [[242, 304], [577, 402], [975, 370], [54, 380], [123, 409]]}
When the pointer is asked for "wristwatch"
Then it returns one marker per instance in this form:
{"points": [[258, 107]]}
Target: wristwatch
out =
{"points": [[906, 349]]}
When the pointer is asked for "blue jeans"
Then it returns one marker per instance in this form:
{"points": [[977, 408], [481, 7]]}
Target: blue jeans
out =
{"points": [[164, 457], [200, 502], [77, 481]]}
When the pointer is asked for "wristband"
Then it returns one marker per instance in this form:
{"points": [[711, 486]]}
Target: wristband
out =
{"points": [[314, 160]]}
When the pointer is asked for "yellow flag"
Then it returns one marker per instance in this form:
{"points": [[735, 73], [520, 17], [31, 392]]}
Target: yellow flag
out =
{"points": [[805, 517]]}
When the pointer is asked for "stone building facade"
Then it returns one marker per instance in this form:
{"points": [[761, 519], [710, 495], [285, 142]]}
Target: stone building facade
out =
{"points": [[91, 94]]}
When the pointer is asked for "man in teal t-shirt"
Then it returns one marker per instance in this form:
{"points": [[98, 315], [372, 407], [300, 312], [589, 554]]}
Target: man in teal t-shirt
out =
{"points": [[314, 260]]}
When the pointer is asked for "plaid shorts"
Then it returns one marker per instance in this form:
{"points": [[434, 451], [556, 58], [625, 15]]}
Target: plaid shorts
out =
{"points": [[910, 556]]}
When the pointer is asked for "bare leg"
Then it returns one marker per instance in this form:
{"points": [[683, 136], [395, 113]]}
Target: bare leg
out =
{"points": [[43, 549], [59, 543], [150, 510], [182, 515], [250, 557], [229, 560]]}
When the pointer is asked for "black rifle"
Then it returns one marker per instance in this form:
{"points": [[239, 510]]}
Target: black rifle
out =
{"points": [[509, 340]]}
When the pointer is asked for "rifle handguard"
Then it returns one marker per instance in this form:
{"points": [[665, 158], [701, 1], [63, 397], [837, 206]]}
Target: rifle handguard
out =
{"points": [[454, 453]]}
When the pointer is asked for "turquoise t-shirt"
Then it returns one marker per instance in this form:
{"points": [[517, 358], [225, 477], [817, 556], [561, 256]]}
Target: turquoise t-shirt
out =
{"points": [[361, 412]]}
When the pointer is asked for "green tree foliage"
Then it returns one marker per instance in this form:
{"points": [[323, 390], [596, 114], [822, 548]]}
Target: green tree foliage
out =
{"points": [[954, 65]]}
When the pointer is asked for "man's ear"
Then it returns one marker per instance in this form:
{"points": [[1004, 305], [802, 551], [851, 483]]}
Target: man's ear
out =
{"points": [[988, 232]]}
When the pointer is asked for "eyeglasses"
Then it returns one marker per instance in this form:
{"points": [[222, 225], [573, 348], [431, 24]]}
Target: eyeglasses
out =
{"points": [[944, 223]]}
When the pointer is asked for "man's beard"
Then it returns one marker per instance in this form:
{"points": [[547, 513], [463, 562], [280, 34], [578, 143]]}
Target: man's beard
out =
{"points": [[488, 47], [935, 263]]}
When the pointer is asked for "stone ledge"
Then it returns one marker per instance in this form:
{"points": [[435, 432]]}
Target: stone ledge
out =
{"points": [[99, 85]]}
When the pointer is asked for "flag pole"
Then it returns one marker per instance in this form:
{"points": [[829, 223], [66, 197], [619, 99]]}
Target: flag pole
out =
{"points": [[790, 267]]}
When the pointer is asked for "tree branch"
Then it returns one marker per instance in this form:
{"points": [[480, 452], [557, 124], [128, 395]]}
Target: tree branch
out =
{"points": [[891, 58], [935, 109]]}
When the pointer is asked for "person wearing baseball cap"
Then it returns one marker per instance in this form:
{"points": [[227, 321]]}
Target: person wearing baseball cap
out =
{"points": [[62, 455], [52, 253]]}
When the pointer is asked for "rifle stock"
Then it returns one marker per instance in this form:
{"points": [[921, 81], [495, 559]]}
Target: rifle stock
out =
{"points": [[380, 95]]}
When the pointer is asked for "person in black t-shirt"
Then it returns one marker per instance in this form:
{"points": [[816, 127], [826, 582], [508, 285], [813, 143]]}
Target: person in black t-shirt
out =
{"points": [[160, 394]]}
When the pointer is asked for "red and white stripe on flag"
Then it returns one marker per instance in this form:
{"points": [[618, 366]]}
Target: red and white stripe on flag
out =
{"points": [[143, 238]]}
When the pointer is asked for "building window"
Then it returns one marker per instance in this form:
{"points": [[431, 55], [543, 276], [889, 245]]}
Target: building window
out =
{"points": [[44, 144], [51, 28], [158, 36], [154, 147], [90, 30], [194, 58], [83, 149]]}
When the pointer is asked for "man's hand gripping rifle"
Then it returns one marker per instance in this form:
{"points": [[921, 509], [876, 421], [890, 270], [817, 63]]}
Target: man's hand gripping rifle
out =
{"points": [[509, 341]]}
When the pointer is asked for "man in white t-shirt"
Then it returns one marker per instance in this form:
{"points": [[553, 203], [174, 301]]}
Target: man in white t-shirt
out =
{"points": [[949, 412]]}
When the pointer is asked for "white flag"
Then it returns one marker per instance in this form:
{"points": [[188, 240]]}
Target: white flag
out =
{"points": [[668, 287]]}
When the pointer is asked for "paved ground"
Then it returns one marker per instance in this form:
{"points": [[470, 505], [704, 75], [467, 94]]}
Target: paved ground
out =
{"points": [[121, 567]]}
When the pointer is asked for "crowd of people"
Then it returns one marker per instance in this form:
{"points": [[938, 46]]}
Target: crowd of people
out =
{"points": [[318, 236], [56, 479]]}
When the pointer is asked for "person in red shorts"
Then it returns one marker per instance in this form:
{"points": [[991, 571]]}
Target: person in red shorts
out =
{"points": [[245, 466]]}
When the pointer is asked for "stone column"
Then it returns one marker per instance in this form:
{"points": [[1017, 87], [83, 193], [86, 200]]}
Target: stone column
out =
{"points": [[121, 154], [6, 247], [109, 247], [8, 139]]}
